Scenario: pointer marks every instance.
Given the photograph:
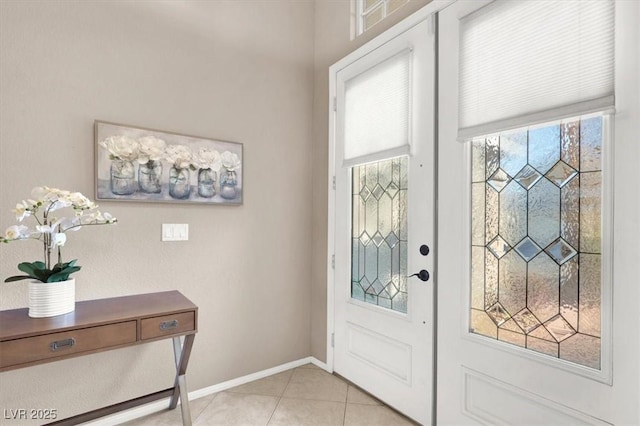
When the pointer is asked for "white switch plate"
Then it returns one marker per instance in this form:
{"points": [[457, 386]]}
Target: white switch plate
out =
{"points": [[175, 232]]}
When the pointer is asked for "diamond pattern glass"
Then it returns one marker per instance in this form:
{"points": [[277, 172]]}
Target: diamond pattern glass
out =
{"points": [[536, 239], [561, 251], [498, 314], [526, 320], [379, 222], [377, 239], [559, 328], [527, 249], [499, 180], [498, 247], [561, 173], [527, 177]]}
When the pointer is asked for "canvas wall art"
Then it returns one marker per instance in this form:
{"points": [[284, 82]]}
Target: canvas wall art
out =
{"points": [[138, 164]]}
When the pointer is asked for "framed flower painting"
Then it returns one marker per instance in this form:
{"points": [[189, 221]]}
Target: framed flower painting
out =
{"points": [[138, 164]]}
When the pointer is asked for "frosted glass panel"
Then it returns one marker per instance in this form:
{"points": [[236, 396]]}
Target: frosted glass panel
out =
{"points": [[376, 115], [536, 238], [379, 234]]}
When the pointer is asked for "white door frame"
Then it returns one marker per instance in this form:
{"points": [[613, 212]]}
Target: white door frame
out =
{"points": [[378, 41]]}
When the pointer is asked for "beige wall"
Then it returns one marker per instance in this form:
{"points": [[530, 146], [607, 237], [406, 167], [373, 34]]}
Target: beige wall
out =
{"points": [[239, 71], [332, 42]]}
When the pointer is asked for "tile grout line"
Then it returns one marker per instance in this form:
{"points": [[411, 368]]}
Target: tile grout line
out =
{"points": [[346, 402], [281, 396], [205, 407]]}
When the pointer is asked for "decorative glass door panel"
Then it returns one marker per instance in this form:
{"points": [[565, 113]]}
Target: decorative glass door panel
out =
{"points": [[379, 233], [535, 246], [384, 140]]}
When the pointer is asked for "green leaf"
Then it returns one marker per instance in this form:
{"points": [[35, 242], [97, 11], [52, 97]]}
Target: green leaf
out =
{"points": [[27, 268], [38, 265], [63, 275], [42, 275], [18, 278]]}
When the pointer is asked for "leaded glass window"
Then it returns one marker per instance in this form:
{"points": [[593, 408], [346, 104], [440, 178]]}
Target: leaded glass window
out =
{"points": [[536, 239], [379, 233]]}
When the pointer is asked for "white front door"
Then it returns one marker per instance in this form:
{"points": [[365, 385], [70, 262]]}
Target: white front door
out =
{"points": [[537, 324], [384, 220]]}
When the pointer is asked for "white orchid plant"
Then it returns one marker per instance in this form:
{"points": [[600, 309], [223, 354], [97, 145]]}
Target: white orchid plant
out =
{"points": [[51, 230]]}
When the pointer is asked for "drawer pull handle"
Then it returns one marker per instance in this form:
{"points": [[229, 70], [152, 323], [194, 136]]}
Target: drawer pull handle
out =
{"points": [[168, 325], [62, 344]]}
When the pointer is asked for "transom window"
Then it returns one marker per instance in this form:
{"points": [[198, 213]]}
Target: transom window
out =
{"points": [[370, 12]]}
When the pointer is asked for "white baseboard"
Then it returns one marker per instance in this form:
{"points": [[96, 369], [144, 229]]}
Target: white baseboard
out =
{"points": [[160, 405]]}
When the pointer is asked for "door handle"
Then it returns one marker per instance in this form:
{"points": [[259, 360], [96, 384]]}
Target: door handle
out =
{"points": [[422, 275]]}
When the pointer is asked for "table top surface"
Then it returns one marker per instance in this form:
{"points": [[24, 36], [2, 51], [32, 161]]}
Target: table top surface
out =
{"points": [[16, 323]]}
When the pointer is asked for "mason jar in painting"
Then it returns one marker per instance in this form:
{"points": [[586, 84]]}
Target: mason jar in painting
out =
{"points": [[149, 175], [228, 183], [206, 182], [179, 185], [123, 177]]}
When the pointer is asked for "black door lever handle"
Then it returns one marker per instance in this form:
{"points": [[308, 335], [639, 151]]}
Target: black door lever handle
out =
{"points": [[422, 275]]}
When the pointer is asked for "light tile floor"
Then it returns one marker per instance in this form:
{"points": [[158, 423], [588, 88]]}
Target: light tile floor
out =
{"points": [[303, 396]]}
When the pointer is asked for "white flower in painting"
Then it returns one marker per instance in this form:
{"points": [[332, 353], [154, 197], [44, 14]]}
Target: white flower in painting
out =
{"points": [[208, 158], [230, 161], [179, 155], [121, 147], [58, 239], [150, 148], [16, 232]]}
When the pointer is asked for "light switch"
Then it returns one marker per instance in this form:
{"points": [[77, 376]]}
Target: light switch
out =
{"points": [[175, 232]]}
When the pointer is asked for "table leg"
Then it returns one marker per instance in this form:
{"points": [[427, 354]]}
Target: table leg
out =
{"points": [[182, 351]]}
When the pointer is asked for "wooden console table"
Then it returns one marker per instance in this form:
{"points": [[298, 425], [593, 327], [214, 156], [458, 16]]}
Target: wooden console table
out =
{"points": [[102, 325]]}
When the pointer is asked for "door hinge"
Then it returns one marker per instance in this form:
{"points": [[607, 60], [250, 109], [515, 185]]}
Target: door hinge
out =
{"points": [[333, 182], [333, 340], [335, 103], [333, 261]]}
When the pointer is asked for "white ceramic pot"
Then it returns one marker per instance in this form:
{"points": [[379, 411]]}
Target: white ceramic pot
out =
{"points": [[51, 299]]}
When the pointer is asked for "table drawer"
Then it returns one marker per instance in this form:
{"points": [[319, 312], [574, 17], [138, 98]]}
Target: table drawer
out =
{"points": [[48, 346], [167, 325]]}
